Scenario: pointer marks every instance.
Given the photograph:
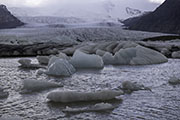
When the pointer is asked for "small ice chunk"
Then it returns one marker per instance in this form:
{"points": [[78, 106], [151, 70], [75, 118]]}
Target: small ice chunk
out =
{"points": [[128, 87], [83, 60], [44, 60], [174, 81], [38, 85], [60, 67], [26, 63], [75, 96], [40, 72]]}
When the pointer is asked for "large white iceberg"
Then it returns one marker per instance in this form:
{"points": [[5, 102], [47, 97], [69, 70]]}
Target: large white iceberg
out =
{"points": [[60, 67], [83, 60], [138, 56], [38, 85], [75, 96]]}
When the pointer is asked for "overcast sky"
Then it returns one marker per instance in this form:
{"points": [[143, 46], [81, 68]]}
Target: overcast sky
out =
{"points": [[80, 8], [40, 3]]}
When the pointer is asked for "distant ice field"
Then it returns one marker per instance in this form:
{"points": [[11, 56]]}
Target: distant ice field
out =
{"points": [[69, 30]]}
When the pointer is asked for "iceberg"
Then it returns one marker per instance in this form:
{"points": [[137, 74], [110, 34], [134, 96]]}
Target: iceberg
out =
{"points": [[38, 85], [83, 60], [75, 96], [138, 56], [60, 67], [146, 56]]}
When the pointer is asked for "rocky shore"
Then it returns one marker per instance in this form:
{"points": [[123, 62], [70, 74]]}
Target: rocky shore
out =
{"points": [[169, 49], [10, 50]]}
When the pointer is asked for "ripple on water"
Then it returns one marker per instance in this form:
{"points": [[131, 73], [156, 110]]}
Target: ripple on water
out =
{"points": [[163, 103]]}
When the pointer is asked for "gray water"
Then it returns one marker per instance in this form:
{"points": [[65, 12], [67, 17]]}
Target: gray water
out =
{"points": [[163, 103]]}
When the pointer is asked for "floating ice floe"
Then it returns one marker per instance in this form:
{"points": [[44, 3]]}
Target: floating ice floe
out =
{"points": [[3, 94], [75, 96], [174, 81], [26, 63], [60, 67], [83, 60], [128, 87], [44, 60], [38, 85], [94, 108]]}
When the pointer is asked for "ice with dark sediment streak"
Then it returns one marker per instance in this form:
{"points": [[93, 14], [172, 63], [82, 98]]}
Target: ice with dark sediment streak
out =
{"points": [[83, 60], [75, 96], [94, 108], [38, 85], [59, 67]]}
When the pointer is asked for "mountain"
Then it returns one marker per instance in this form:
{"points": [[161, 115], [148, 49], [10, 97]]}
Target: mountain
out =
{"points": [[166, 18], [7, 20]]}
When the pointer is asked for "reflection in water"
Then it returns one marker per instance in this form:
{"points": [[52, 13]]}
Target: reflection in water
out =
{"points": [[162, 103]]}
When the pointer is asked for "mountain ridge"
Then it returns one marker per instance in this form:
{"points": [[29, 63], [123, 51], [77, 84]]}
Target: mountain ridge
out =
{"points": [[7, 20], [166, 19]]}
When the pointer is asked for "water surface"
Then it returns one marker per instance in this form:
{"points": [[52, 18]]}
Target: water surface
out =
{"points": [[163, 103]]}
